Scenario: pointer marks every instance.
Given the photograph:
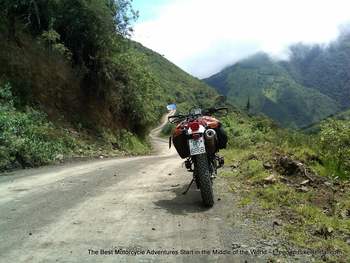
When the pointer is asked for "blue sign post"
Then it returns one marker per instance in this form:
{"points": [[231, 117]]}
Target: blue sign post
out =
{"points": [[171, 107]]}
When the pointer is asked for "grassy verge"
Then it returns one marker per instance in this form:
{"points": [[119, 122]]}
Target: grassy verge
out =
{"points": [[286, 173]]}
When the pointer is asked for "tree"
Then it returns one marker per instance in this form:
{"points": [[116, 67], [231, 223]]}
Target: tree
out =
{"points": [[248, 104], [24, 11], [87, 27]]}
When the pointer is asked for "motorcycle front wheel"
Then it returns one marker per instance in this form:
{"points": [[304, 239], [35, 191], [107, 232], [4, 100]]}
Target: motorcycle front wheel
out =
{"points": [[202, 172]]}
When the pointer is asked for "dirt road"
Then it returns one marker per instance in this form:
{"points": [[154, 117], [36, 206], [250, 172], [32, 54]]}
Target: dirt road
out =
{"points": [[72, 213]]}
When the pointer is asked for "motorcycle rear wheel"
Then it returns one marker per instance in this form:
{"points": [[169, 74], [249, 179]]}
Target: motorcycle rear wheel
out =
{"points": [[201, 167]]}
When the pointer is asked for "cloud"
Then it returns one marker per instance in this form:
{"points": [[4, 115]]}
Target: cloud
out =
{"points": [[203, 36]]}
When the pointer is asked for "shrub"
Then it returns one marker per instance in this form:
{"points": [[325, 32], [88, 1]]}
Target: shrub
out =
{"points": [[27, 139], [129, 142], [335, 145], [51, 40], [244, 132], [167, 129]]}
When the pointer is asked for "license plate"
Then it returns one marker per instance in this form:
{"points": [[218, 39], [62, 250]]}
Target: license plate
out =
{"points": [[197, 146]]}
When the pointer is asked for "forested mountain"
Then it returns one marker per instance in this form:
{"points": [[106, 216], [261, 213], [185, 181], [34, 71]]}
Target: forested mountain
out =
{"points": [[71, 82], [325, 68], [311, 85], [264, 85]]}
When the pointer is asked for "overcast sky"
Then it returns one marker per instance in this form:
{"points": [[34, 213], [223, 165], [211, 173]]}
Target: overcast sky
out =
{"points": [[204, 36]]}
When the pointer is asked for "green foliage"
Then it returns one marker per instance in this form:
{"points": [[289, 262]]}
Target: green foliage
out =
{"points": [[335, 145], [316, 217], [313, 216], [311, 219], [86, 27], [123, 15], [50, 37], [72, 60], [125, 141], [136, 84], [281, 195], [244, 131], [91, 29], [27, 138], [167, 129], [327, 152], [129, 142], [344, 115], [51, 40], [6, 98], [91, 33]]}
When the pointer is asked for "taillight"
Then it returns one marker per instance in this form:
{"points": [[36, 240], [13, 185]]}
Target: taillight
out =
{"points": [[194, 126]]}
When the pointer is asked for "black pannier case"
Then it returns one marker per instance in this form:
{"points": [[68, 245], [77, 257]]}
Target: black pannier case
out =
{"points": [[222, 137], [181, 145]]}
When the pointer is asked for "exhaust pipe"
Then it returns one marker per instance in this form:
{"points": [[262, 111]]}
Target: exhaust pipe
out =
{"points": [[210, 139]]}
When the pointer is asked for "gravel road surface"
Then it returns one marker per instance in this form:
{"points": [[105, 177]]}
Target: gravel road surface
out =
{"points": [[117, 210]]}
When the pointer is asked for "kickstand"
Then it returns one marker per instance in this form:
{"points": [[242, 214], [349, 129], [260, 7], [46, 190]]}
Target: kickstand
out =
{"points": [[188, 187]]}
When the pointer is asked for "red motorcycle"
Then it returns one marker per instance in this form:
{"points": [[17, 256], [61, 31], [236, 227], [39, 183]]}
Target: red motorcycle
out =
{"points": [[198, 137]]}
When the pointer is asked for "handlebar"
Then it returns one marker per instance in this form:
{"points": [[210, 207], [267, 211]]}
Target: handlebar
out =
{"points": [[213, 110], [176, 118], [180, 117]]}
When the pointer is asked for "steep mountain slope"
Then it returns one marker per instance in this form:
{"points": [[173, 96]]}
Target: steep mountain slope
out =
{"points": [[325, 68], [83, 91], [175, 85], [264, 86], [47, 83]]}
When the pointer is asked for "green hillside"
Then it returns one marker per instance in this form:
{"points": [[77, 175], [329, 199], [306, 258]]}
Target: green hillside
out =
{"points": [[344, 115], [271, 90], [86, 91], [316, 127], [175, 85]]}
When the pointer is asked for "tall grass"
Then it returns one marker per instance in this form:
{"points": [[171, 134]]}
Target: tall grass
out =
{"points": [[327, 151]]}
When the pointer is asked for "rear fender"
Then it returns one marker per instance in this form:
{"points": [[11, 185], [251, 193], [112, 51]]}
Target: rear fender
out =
{"points": [[201, 130]]}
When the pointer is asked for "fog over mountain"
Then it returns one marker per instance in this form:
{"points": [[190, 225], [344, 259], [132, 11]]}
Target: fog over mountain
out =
{"points": [[202, 37]]}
